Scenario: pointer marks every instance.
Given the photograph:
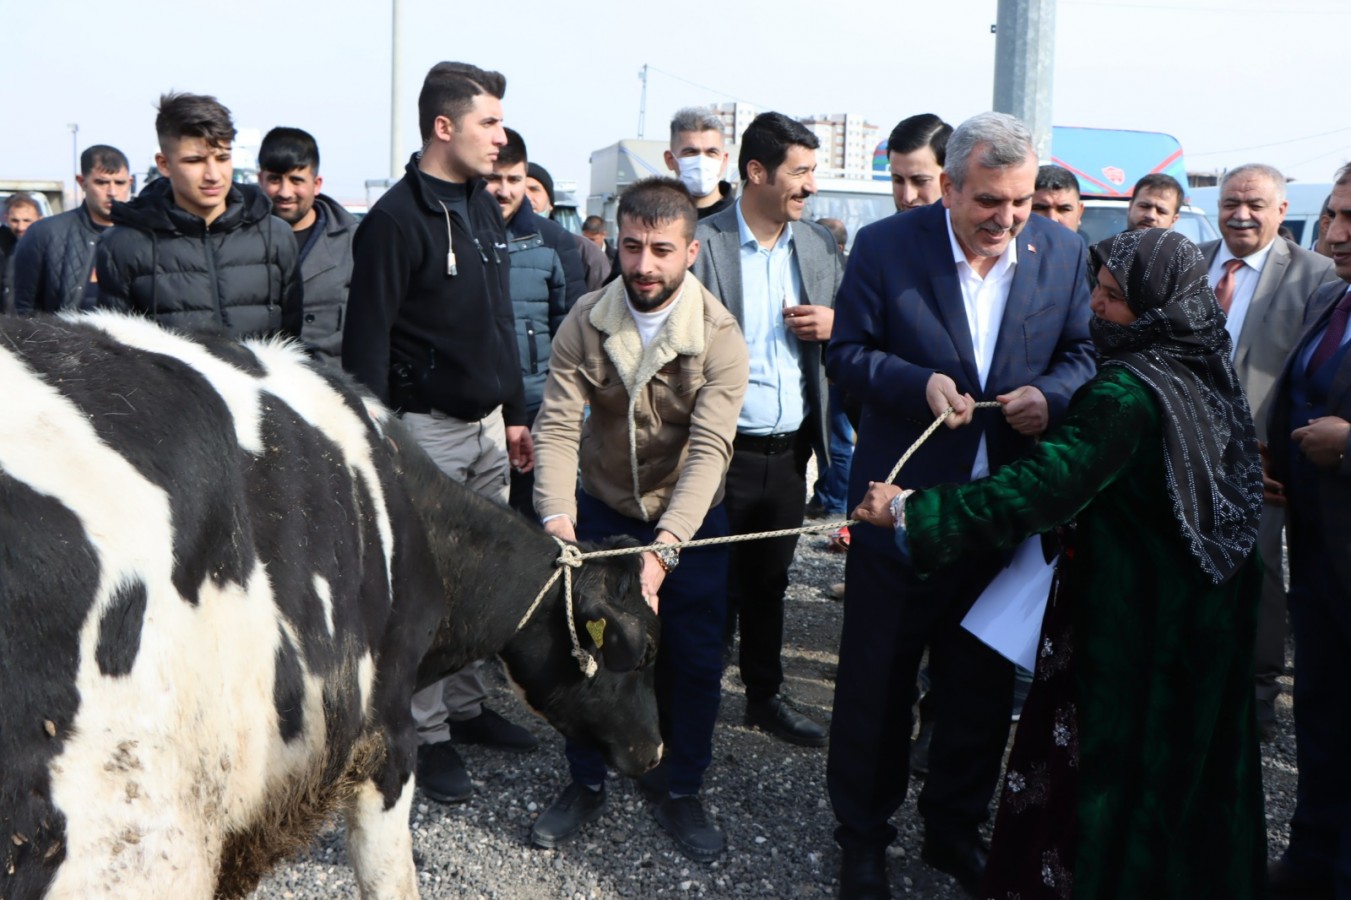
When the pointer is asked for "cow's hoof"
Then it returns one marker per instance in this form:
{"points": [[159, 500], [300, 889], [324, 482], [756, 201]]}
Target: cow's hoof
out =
{"points": [[441, 773], [695, 834], [574, 808]]}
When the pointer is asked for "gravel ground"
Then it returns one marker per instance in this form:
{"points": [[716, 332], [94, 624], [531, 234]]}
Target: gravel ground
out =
{"points": [[768, 797]]}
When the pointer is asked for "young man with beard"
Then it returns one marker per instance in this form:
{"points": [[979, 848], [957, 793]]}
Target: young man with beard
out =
{"points": [[52, 270], [1057, 197], [288, 172], [698, 157], [196, 251], [778, 276], [663, 367], [429, 330], [1156, 202]]}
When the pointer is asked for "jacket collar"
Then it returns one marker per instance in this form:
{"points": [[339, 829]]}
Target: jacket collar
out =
{"points": [[423, 191], [154, 210], [682, 335]]}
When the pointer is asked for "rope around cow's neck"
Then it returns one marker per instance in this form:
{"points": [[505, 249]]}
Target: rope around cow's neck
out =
{"points": [[571, 557]]}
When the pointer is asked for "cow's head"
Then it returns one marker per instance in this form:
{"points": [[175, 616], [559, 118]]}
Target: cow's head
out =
{"points": [[614, 710]]}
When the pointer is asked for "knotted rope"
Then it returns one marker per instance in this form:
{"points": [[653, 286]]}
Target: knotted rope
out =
{"points": [[570, 557]]}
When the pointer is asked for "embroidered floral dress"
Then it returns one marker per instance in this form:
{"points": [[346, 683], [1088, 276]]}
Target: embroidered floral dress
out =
{"points": [[1135, 773]]}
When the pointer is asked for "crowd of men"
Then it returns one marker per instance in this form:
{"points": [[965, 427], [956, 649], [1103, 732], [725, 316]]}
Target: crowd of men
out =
{"points": [[672, 383]]}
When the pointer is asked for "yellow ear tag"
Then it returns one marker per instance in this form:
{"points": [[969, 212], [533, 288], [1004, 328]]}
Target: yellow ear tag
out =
{"points": [[596, 628]]}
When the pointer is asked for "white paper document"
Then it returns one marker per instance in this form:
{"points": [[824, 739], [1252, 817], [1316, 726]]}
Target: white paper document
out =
{"points": [[1007, 615]]}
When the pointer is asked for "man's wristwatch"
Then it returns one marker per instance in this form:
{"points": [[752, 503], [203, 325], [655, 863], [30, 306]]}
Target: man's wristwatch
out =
{"points": [[668, 557]]}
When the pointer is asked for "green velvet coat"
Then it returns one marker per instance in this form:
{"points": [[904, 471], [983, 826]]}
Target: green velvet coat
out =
{"points": [[1136, 769]]}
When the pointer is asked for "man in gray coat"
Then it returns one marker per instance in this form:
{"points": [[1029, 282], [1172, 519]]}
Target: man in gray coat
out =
{"points": [[777, 275], [1263, 282], [288, 172]]}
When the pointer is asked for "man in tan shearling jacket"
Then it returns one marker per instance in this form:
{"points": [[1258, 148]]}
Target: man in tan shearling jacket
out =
{"points": [[663, 366]]}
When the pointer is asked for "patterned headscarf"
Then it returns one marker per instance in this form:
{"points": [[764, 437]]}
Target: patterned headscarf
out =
{"points": [[1179, 348]]}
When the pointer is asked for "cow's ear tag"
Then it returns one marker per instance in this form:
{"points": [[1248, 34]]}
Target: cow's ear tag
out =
{"points": [[596, 628]]}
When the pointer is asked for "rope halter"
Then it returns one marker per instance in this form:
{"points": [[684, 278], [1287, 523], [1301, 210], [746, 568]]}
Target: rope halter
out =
{"points": [[569, 557]]}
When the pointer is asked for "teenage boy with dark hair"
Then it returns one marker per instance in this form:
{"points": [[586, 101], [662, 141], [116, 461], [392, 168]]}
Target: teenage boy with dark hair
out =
{"points": [[288, 172], [430, 330], [546, 280], [196, 251], [52, 269]]}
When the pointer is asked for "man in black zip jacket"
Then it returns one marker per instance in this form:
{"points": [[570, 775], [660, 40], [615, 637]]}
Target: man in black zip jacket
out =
{"points": [[430, 330], [195, 251]]}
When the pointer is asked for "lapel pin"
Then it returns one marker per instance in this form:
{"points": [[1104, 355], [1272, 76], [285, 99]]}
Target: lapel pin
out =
{"points": [[1031, 248]]}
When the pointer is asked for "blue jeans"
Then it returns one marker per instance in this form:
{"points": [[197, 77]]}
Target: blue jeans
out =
{"points": [[832, 483], [689, 660]]}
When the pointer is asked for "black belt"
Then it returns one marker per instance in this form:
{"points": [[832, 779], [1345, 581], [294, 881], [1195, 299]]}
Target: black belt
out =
{"points": [[768, 444]]}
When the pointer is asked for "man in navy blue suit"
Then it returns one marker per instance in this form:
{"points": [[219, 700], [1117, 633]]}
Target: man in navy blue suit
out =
{"points": [[1309, 432], [967, 300]]}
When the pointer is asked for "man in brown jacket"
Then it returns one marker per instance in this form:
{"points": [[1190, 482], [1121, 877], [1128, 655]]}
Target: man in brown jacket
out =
{"points": [[664, 368]]}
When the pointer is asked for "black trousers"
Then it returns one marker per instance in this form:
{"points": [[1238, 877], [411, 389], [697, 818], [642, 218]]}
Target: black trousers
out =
{"points": [[889, 616], [766, 491]]}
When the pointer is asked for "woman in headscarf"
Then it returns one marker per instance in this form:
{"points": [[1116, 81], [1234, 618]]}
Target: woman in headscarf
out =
{"points": [[1136, 770]]}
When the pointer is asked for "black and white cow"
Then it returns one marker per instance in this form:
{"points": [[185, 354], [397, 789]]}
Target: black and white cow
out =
{"points": [[223, 573]]}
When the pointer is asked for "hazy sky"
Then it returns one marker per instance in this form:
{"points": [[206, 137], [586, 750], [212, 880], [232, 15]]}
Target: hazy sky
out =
{"points": [[1234, 80]]}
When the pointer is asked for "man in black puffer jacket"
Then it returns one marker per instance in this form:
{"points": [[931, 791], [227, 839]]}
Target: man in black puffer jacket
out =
{"points": [[546, 280], [195, 251], [51, 272]]}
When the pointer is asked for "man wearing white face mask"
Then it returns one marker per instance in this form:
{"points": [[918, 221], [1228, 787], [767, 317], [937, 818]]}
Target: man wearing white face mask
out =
{"points": [[698, 157]]}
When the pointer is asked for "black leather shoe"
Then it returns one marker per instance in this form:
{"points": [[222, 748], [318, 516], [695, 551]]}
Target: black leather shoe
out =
{"points": [[779, 717], [491, 730], [963, 860], [1287, 884], [441, 773], [685, 820], [863, 875], [575, 807]]}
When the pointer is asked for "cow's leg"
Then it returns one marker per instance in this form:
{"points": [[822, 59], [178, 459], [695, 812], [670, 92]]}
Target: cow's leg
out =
{"points": [[380, 844]]}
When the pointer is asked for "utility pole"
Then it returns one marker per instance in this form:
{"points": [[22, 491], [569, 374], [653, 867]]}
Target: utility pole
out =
{"points": [[395, 97], [1024, 66], [642, 104], [74, 163]]}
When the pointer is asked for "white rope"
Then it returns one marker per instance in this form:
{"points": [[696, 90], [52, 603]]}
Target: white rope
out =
{"points": [[571, 557]]}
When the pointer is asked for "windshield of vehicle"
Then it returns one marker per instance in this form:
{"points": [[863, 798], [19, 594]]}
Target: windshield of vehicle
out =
{"points": [[1101, 222]]}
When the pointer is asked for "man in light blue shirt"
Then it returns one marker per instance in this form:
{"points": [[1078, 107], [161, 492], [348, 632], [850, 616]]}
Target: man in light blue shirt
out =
{"points": [[778, 275]]}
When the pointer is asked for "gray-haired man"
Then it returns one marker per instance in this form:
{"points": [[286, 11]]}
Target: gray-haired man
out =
{"points": [[698, 157]]}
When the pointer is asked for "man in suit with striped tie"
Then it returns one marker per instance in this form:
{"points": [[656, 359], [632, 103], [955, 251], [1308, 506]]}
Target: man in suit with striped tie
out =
{"points": [[1263, 283]]}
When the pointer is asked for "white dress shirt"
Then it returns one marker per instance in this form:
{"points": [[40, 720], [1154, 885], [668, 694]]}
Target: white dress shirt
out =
{"points": [[984, 300], [1246, 277]]}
